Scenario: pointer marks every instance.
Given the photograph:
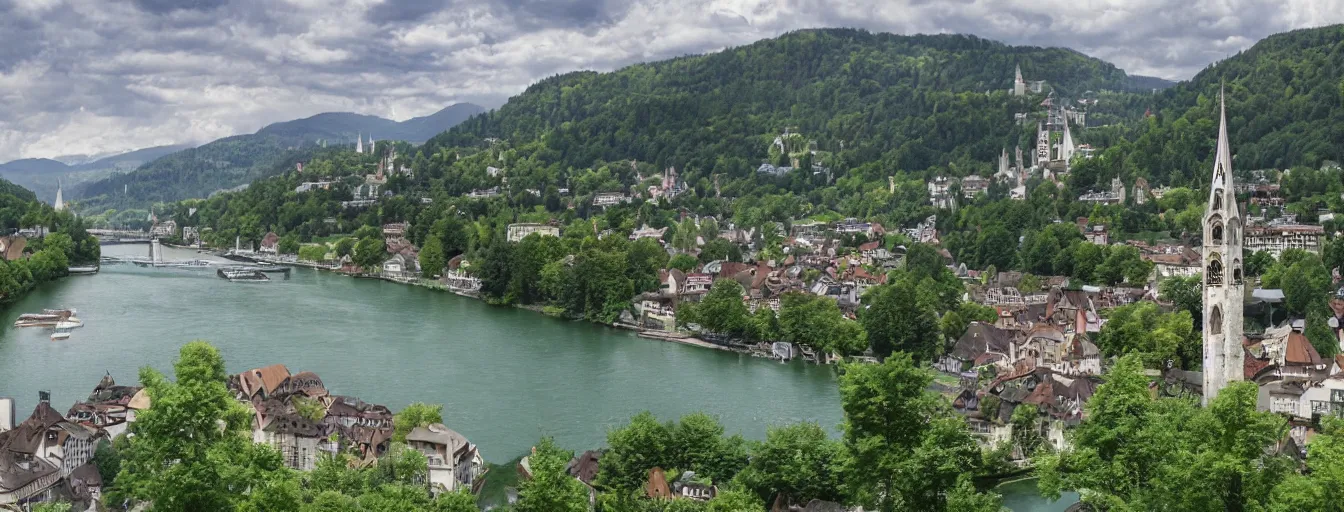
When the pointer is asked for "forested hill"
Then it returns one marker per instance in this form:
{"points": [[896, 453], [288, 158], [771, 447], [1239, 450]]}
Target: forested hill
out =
{"points": [[911, 101], [1285, 108], [233, 161], [1285, 98]]}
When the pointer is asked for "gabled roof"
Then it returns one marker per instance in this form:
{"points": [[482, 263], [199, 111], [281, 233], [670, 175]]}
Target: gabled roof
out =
{"points": [[1300, 351], [979, 338], [263, 379]]}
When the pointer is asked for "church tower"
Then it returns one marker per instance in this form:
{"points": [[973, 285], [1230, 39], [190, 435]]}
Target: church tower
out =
{"points": [[359, 143], [1019, 85], [1224, 293], [60, 203]]}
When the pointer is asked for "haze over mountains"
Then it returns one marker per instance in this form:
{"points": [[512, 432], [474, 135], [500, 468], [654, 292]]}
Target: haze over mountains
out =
{"points": [[224, 156]]}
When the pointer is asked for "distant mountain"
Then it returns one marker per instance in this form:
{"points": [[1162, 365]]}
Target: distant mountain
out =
{"points": [[342, 127], [132, 159], [41, 175], [1150, 82], [237, 160], [33, 165]]}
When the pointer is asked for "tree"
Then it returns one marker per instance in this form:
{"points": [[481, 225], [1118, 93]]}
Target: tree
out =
{"points": [[720, 249], [1187, 293], [1142, 329], [632, 450], [904, 451], [370, 253], [722, 309], [345, 247], [418, 414], [1136, 453], [799, 461], [192, 449], [698, 444], [432, 260], [683, 262], [896, 322], [289, 244], [316, 252], [551, 489], [816, 321], [496, 271], [1305, 283]]}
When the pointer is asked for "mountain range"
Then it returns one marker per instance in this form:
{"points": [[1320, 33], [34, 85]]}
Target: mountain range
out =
{"points": [[139, 177]]}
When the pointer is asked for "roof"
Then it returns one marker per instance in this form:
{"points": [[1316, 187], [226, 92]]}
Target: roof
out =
{"points": [[267, 379], [140, 401], [1300, 351], [980, 338], [1262, 295], [584, 466], [438, 434], [657, 484], [11, 247]]}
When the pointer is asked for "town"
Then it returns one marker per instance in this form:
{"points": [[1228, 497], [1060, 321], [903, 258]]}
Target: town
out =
{"points": [[1005, 266]]}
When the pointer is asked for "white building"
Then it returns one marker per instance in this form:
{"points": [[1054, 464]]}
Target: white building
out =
{"points": [[517, 232], [454, 463]]}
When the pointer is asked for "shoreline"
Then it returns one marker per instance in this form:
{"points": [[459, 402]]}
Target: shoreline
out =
{"points": [[650, 334]]}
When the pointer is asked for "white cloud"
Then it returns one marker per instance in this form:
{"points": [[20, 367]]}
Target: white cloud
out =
{"points": [[94, 76]]}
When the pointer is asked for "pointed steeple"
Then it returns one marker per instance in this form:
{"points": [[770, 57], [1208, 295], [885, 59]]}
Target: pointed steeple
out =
{"points": [[1066, 143], [359, 142], [60, 203], [1017, 71], [1222, 195]]}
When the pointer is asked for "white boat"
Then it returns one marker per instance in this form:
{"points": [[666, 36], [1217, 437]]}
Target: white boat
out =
{"points": [[60, 335]]}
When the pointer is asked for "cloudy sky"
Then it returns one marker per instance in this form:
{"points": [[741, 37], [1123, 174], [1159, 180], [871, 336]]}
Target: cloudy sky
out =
{"points": [[99, 76]]}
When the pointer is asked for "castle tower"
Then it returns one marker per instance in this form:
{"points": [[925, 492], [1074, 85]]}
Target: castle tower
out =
{"points": [[1223, 284], [1019, 85]]}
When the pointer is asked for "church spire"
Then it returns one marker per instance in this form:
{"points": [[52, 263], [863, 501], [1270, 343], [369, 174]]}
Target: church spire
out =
{"points": [[60, 203], [1224, 286]]}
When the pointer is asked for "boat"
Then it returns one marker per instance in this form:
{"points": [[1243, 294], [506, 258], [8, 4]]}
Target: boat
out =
{"points": [[245, 275], [90, 269], [60, 335], [47, 318]]}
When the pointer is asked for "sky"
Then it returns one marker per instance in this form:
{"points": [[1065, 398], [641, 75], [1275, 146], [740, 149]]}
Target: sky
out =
{"points": [[85, 77]]}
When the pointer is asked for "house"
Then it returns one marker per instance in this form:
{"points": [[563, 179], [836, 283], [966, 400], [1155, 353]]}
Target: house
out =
{"points": [[519, 231], [648, 232], [312, 185], [609, 199], [108, 407], [399, 266], [394, 230], [282, 426], [981, 344], [40, 452], [697, 284], [270, 243], [454, 463], [973, 185]]}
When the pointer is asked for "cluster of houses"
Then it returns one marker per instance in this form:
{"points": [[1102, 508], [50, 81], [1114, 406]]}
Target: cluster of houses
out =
{"points": [[49, 456]]}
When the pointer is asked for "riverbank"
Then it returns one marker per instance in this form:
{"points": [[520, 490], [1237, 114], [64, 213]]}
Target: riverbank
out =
{"points": [[653, 334]]}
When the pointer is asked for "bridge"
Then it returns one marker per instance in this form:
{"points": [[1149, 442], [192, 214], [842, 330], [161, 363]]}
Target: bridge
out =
{"points": [[118, 237]]}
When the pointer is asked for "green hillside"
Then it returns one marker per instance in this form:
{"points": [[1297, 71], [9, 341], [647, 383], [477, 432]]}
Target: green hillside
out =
{"points": [[910, 102]]}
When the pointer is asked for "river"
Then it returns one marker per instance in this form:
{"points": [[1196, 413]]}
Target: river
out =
{"points": [[506, 377]]}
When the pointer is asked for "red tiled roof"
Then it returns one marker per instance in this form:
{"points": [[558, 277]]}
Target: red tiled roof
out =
{"points": [[1300, 351]]}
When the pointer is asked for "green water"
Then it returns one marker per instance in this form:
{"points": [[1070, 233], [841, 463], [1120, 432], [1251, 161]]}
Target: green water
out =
{"points": [[506, 377]]}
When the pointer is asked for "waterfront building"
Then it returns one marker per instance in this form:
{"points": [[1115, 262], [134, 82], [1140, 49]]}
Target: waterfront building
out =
{"points": [[45, 453], [1224, 288], [454, 463], [163, 229], [519, 231], [270, 244]]}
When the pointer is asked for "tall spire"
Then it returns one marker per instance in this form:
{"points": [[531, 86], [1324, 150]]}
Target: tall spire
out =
{"points": [[60, 203], [1224, 285], [1222, 162], [359, 142]]}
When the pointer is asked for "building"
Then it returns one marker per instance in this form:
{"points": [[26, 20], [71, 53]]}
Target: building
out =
{"points": [[454, 463], [11, 247], [270, 243], [517, 232], [609, 198], [312, 185], [59, 205], [1276, 237], [1019, 85], [973, 184], [166, 229], [1224, 290]]}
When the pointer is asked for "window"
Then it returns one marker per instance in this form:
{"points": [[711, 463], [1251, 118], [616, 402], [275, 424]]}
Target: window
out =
{"points": [[1215, 321], [1217, 233], [1236, 272], [1214, 273], [1218, 199]]}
